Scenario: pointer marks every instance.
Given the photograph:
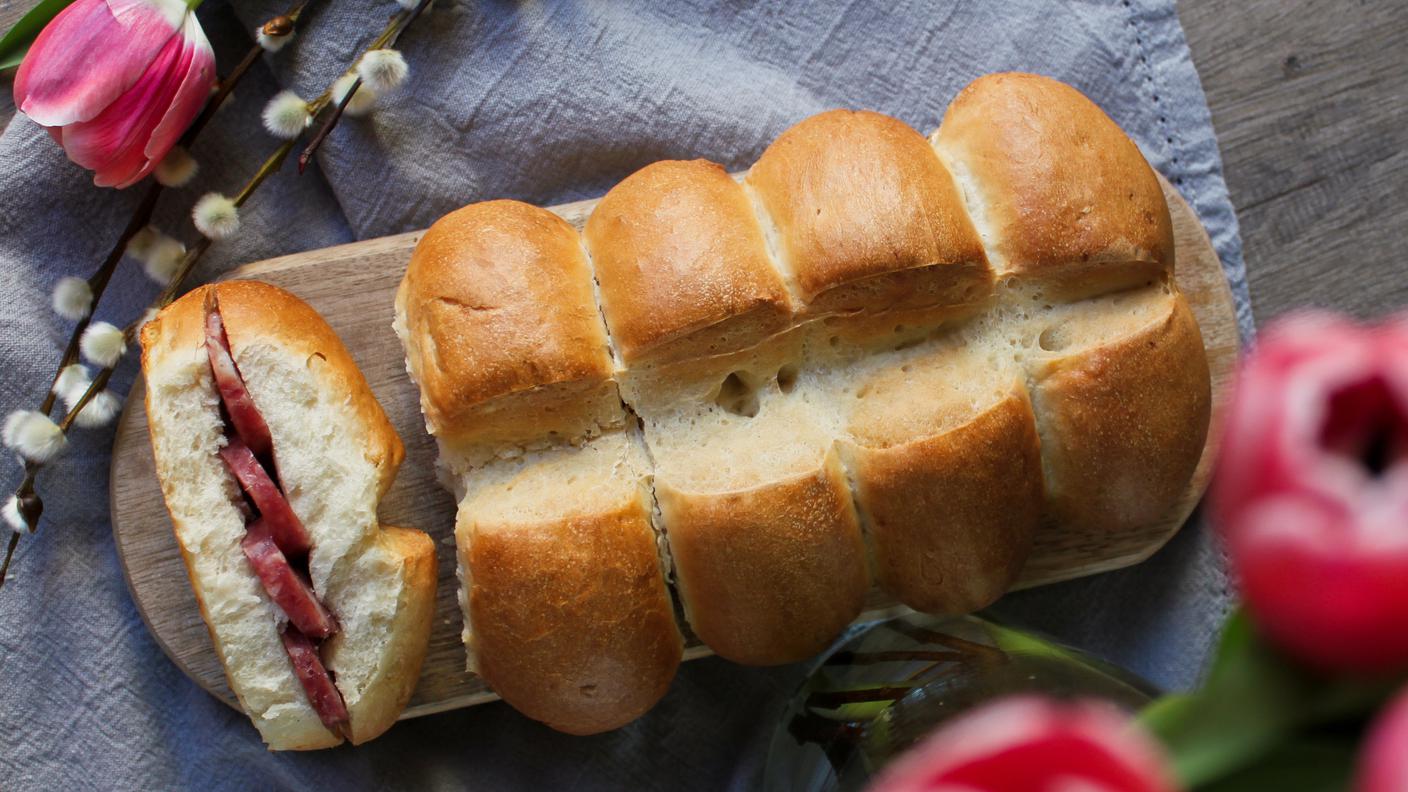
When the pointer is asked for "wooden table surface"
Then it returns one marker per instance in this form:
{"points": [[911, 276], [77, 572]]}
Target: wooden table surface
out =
{"points": [[1310, 102]]}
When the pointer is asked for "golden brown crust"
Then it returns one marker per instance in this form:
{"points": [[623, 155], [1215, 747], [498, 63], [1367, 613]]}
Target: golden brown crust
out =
{"points": [[380, 706], [770, 575], [951, 516], [682, 264], [1123, 423], [497, 300], [867, 217], [1060, 192], [571, 622]]}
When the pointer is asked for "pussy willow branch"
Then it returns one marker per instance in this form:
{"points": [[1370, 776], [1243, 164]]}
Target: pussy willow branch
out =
{"points": [[398, 25], [30, 506], [142, 215], [28, 499]]}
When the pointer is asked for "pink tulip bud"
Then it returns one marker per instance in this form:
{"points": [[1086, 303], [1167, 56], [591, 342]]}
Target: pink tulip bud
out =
{"points": [[116, 82], [1311, 490], [1383, 764], [1030, 744]]}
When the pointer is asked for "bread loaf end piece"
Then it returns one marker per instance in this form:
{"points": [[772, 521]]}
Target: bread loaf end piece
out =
{"points": [[336, 454], [683, 267], [866, 220], [566, 611], [502, 333], [1058, 191]]}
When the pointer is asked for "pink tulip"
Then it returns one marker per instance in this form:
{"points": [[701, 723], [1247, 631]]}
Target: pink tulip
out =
{"points": [[1383, 763], [1029, 744], [1311, 490], [116, 82]]}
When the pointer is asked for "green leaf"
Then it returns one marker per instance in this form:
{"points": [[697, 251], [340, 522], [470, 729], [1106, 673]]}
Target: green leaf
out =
{"points": [[1320, 764], [16, 42], [1254, 700]]}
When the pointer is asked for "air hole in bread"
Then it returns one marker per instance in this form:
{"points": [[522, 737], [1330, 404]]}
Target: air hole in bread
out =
{"points": [[737, 396], [913, 342], [834, 341], [1053, 339], [787, 378]]}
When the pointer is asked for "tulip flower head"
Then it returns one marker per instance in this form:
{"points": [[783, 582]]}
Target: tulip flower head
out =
{"points": [[1311, 490], [116, 83], [1030, 744]]}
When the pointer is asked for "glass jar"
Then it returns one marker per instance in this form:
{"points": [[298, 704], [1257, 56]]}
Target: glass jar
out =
{"points": [[895, 681]]}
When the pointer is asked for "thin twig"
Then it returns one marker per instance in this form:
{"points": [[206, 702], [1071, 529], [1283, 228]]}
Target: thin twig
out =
{"points": [[398, 25]]}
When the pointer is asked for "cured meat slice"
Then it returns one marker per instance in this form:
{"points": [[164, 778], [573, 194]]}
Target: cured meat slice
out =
{"points": [[289, 589], [283, 525], [249, 424], [317, 683]]}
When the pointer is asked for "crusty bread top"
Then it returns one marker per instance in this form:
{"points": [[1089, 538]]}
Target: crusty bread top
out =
{"points": [[498, 299], [677, 249], [255, 312], [1063, 195], [855, 195]]}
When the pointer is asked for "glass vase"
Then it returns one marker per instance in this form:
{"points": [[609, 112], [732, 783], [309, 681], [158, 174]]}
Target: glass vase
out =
{"points": [[893, 682]]}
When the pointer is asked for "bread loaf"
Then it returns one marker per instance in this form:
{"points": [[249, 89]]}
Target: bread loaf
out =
{"points": [[872, 359]]}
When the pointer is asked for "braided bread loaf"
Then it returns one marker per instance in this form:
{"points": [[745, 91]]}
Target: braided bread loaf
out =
{"points": [[876, 359]]}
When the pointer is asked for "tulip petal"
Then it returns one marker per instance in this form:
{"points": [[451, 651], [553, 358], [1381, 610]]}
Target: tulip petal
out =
{"points": [[191, 94], [1383, 765], [114, 144], [90, 54], [1028, 743]]}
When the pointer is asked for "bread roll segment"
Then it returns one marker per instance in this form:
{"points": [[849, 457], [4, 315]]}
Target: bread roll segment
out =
{"points": [[900, 362], [682, 265], [1123, 397], [944, 453], [336, 454], [566, 612], [770, 574], [1058, 191], [504, 337], [867, 219]]}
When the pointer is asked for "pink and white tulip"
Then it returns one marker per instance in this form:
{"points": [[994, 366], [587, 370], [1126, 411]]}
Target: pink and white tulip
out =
{"points": [[1311, 490], [1031, 744], [116, 83]]}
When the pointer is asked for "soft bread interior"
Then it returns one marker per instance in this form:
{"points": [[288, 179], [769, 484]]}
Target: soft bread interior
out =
{"points": [[385, 609], [187, 432], [319, 447]]}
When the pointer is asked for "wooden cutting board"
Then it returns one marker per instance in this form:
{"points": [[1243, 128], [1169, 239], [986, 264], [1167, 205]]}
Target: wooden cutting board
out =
{"points": [[353, 287]]}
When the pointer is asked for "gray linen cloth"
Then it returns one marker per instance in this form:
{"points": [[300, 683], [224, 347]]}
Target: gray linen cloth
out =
{"points": [[545, 102]]}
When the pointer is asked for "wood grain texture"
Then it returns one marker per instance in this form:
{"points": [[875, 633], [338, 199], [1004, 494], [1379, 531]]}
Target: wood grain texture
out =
{"points": [[353, 287], [1309, 102]]}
